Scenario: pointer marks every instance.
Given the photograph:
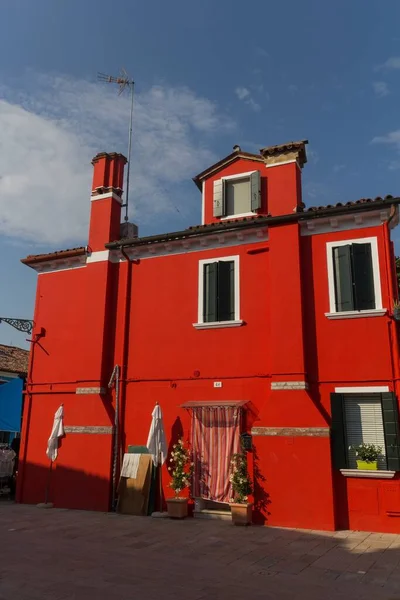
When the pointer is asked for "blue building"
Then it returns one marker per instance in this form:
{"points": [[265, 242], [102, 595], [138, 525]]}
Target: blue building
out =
{"points": [[13, 371]]}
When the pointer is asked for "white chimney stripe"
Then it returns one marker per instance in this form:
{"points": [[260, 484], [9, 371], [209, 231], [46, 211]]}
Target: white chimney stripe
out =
{"points": [[106, 195]]}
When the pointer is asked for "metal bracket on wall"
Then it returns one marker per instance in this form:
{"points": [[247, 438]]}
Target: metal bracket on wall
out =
{"points": [[24, 325]]}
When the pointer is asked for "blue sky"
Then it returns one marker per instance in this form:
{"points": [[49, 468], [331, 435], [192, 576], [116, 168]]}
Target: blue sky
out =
{"points": [[208, 75]]}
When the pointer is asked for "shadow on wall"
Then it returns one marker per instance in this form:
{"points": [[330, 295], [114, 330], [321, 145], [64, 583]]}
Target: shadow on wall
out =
{"points": [[68, 488], [262, 499]]}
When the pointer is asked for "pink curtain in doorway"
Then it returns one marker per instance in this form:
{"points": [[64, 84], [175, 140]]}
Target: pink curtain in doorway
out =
{"points": [[215, 437]]}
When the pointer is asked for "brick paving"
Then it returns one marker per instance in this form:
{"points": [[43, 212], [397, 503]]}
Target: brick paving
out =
{"points": [[73, 555]]}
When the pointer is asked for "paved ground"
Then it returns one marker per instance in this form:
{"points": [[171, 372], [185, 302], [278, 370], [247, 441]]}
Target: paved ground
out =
{"points": [[73, 555]]}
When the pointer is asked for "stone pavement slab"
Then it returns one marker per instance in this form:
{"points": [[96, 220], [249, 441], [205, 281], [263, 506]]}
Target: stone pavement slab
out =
{"points": [[76, 555]]}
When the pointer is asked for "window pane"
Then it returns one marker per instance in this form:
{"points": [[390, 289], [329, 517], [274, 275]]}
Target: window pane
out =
{"points": [[364, 292], [364, 424], [226, 291], [343, 278], [237, 196], [210, 293]]}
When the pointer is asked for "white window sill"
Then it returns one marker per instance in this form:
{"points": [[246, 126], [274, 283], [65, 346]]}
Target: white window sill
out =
{"points": [[249, 214], [218, 324], [356, 314], [369, 474]]}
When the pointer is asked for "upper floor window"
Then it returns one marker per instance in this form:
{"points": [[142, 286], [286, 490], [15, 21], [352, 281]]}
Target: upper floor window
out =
{"points": [[237, 195], [353, 274], [218, 300]]}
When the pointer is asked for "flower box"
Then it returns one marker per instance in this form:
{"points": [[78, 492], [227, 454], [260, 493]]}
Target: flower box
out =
{"points": [[364, 465], [241, 513], [177, 508]]}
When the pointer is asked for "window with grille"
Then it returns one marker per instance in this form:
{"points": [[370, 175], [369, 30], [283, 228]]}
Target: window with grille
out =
{"points": [[358, 418], [364, 425]]}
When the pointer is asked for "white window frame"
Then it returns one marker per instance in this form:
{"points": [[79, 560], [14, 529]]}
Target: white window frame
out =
{"points": [[353, 314], [237, 322], [380, 473], [239, 176]]}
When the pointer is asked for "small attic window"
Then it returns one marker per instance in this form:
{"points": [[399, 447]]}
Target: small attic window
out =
{"points": [[237, 195]]}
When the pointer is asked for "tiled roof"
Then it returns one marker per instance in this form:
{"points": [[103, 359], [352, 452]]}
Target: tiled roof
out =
{"points": [[13, 360], [345, 205], [37, 258]]}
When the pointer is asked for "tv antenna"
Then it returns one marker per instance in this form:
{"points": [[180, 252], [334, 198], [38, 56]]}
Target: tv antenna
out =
{"points": [[123, 82]]}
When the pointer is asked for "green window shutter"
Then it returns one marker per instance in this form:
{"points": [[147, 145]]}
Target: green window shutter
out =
{"points": [[218, 199], [226, 291], [391, 425], [255, 184], [343, 278], [338, 436], [363, 276], [210, 292]]}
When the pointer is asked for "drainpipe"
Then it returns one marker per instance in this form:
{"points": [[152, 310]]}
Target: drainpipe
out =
{"points": [[393, 337], [115, 378]]}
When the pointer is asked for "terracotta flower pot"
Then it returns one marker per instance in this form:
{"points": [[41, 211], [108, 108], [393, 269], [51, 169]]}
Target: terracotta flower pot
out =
{"points": [[177, 508], [241, 513], [367, 466]]}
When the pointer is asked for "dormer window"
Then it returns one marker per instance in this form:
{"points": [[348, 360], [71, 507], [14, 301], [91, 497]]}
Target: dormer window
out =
{"points": [[237, 195]]}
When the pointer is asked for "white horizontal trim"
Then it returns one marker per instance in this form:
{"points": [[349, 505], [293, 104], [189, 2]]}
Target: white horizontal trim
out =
{"points": [[368, 474], [284, 162], [289, 385], [106, 195], [215, 241], [346, 222], [11, 375], [51, 269], [248, 214], [372, 389], [218, 324], [238, 175], [90, 429], [90, 390], [99, 256], [357, 314]]}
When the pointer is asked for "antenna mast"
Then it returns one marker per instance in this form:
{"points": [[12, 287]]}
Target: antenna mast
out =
{"points": [[124, 82]]}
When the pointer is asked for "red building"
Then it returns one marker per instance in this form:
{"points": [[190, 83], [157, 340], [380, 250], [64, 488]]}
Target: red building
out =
{"points": [[268, 318]]}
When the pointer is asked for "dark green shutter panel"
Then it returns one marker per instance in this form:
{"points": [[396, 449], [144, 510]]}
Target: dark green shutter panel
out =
{"points": [[343, 278], [391, 425], [338, 436], [363, 277], [210, 293], [226, 288]]}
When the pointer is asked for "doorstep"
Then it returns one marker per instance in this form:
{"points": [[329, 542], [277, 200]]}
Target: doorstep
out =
{"points": [[206, 513]]}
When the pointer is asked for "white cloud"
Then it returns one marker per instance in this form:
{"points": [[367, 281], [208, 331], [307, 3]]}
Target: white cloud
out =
{"points": [[245, 96], [313, 156], [392, 63], [242, 93], [337, 168], [381, 88], [49, 135], [393, 137]]}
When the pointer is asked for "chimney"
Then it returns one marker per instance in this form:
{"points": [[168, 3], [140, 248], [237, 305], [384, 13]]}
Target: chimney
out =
{"points": [[106, 199], [284, 164]]}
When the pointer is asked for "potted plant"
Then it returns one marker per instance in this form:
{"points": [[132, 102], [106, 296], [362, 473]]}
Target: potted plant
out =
{"points": [[242, 487], [181, 469], [396, 310], [367, 456]]}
